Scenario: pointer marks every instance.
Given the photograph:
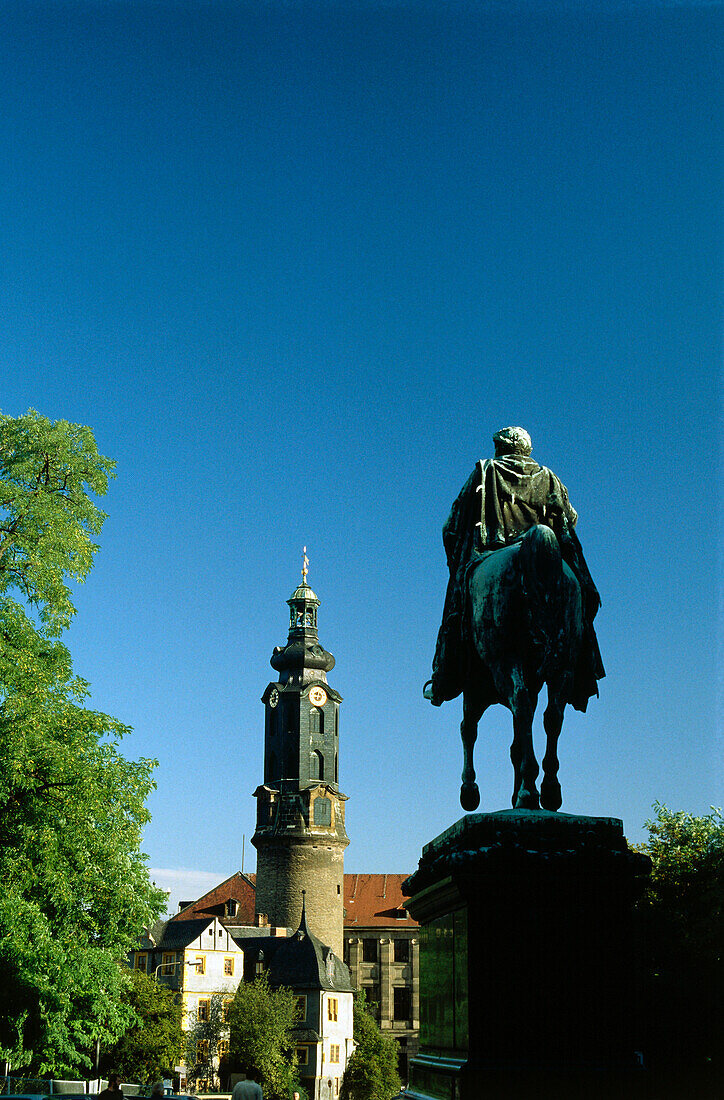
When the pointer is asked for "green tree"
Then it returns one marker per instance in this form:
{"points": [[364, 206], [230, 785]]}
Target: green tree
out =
{"points": [[156, 1041], [262, 1022], [76, 892], [683, 923], [371, 1072], [203, 1037]]}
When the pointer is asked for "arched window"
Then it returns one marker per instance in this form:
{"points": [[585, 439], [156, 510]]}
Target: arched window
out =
{"points": [[273, 769], [313, 720], [316, 766], [336, 769]]}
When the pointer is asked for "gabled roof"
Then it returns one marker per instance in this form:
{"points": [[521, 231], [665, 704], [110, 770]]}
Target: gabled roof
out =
{"points": [[375, 901], [238, 887], [179, 934]]}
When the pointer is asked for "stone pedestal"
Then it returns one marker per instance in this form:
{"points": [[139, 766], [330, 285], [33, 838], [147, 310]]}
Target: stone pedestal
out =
{"points": [[526, 981]]}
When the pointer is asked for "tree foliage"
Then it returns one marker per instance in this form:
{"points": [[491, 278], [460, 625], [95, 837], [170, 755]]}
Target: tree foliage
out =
{"points": [[371, 1072], [262, 1022], [683, 923], [155, 1041], [76, 892]]}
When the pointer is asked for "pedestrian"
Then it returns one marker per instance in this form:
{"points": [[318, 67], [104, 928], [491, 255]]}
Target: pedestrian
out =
{"points": [[112, 1091], [250, 1089]]}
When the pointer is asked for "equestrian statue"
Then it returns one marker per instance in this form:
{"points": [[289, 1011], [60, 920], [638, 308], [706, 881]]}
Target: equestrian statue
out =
{"points": [[518, 613]]}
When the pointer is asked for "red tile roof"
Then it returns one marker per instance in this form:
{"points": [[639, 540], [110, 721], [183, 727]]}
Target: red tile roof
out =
{"points": [[370, 901], [375, 901], [239, 888]]}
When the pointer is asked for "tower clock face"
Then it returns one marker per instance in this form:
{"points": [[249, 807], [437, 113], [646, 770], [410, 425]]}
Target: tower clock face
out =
{"points": [[273, 697], [318, 696]]}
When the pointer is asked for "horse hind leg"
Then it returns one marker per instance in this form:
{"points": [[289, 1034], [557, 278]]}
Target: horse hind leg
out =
{"points": [[550, 788], [472, 713], [525, 793]]}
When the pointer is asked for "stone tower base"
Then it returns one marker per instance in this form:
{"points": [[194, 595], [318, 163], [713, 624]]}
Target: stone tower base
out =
{"points": [[526, 981], [285, 867]]}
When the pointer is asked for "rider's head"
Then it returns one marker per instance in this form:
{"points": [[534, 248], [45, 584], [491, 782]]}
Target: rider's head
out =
{"points": [[512, 441]]}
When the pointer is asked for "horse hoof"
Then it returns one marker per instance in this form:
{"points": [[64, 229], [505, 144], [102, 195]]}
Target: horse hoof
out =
{"points": [[550, 796], [469, 796], [527, 800]]}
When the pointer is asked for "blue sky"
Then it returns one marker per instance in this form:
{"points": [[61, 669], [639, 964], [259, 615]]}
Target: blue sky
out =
{"points": [[295, 263]]}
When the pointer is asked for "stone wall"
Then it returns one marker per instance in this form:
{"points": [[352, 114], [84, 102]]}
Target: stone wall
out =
{"points": [[285, 868]]}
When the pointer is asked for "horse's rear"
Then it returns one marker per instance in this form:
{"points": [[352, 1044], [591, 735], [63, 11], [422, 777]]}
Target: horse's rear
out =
{"points": [[526, 627]]}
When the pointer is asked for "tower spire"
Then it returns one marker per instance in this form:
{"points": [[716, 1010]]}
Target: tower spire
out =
{"points": [[305, 565]]}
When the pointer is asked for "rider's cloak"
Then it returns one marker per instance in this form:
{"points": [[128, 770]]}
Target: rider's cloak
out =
{"points": [[500, 501]]}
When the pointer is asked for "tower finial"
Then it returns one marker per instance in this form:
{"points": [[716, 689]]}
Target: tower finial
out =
{"points": [[305, 565]]}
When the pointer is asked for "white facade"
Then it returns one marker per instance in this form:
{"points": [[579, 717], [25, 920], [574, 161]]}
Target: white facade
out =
{"points": [[336, 1027]]}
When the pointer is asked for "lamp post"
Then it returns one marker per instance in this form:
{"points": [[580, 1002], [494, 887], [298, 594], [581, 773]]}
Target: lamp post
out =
{"points": [[170, 968]]}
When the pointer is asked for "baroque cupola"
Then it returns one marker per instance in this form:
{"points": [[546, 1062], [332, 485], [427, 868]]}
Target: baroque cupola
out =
{"points": [[302, 658]]}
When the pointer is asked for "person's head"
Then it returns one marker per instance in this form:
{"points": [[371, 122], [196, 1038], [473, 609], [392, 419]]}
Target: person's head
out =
{"points": [[512, 441], [158, 1089], [114, 1081]]}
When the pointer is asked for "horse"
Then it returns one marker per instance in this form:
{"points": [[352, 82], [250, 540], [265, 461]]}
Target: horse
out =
{"points": [[524, 628]]}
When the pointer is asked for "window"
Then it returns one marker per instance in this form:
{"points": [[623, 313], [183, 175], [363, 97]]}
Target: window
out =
{"points": [[141, 962], [322, 811], [332, 1008], [301, 1008], [313, 720], [401, 1003], [201, 964], [202, 1050], [402, 951], [203, 1010], [259, 968], [222, 1048], [228, 966], [168, 965], [334, 1052], [316, 765], [372, 996], [369, 951], [231, 906], [227, 1008], [302, 1056]]}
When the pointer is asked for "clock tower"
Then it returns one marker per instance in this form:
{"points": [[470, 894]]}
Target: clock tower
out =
{"points": [[300, 836]]}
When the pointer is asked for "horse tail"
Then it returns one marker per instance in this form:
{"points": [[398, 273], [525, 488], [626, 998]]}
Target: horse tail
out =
{"points": [[541, 567]]}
